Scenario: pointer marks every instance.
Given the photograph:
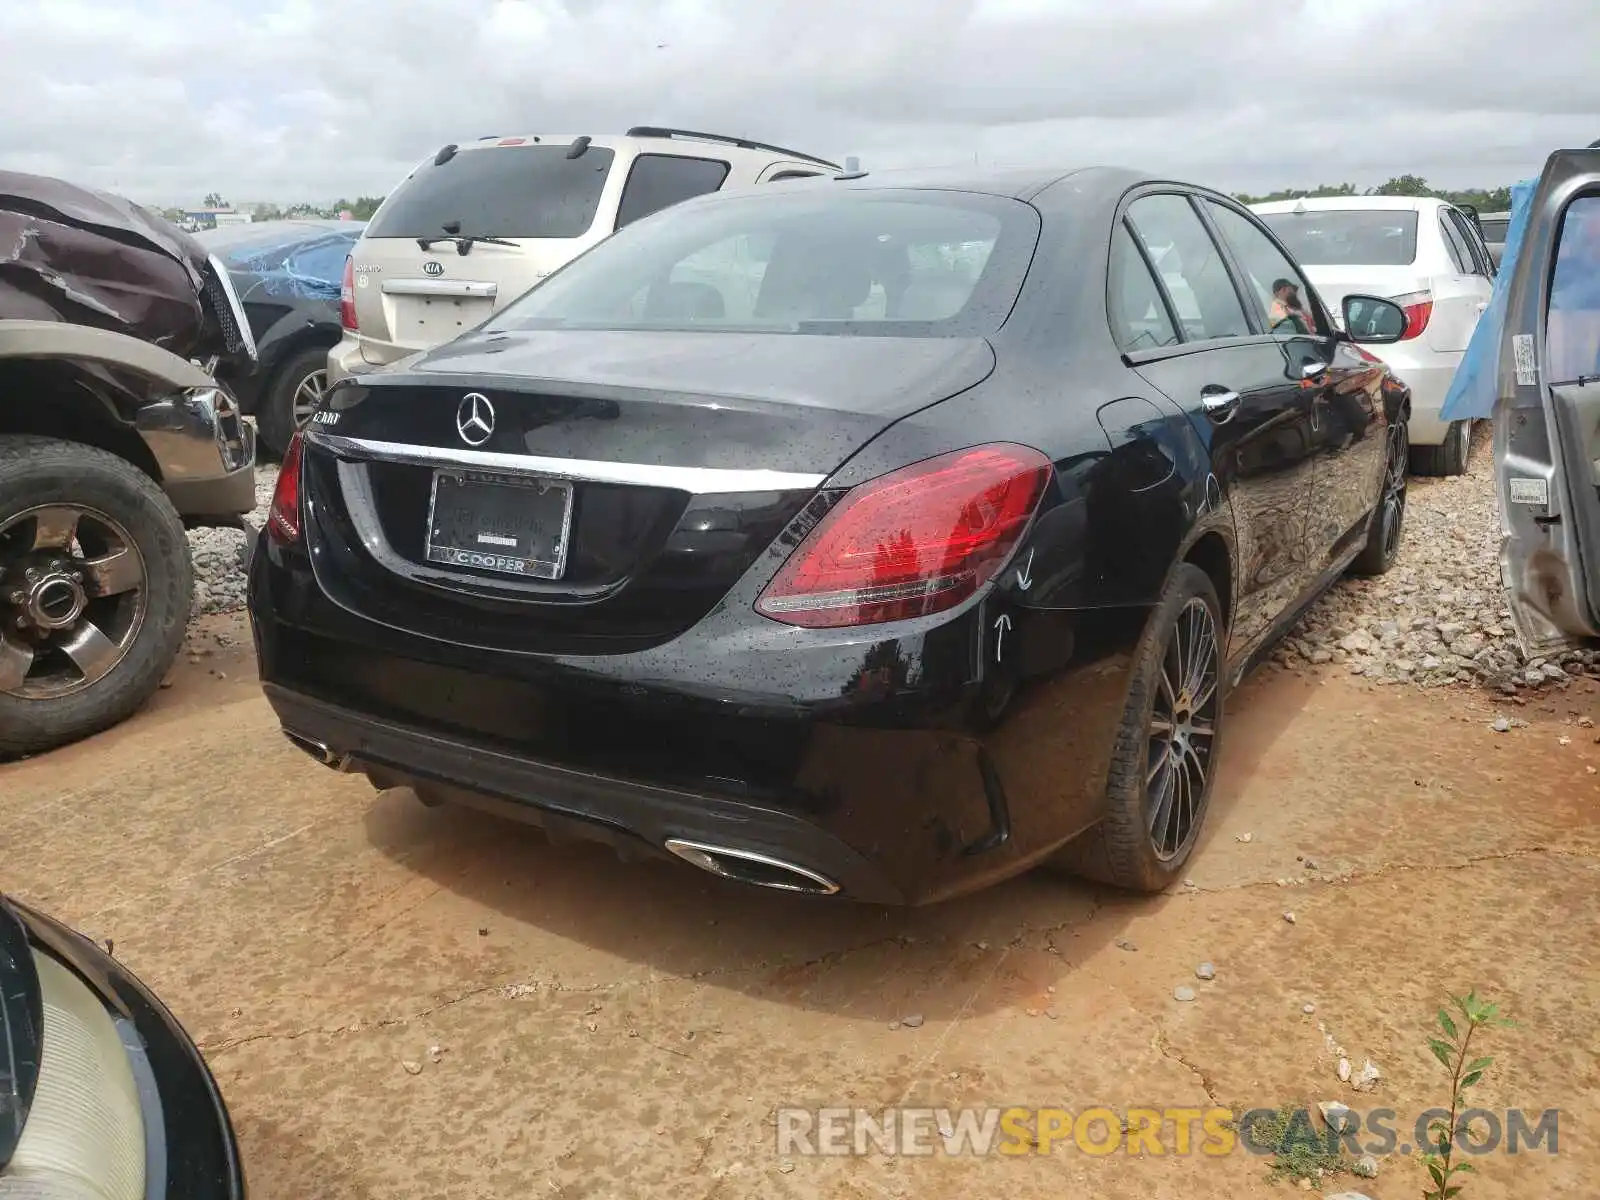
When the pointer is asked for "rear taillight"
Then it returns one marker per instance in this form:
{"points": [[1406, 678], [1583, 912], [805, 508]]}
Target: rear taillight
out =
{"points": [[1418, 308], [347, 296], [915, 541], [283, 518]]}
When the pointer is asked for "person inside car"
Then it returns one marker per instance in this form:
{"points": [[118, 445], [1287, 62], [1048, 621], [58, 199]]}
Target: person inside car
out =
{"points": [[1288, 314]]}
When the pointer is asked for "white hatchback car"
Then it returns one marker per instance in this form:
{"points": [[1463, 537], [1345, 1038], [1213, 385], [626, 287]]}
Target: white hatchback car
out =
{"points": [[478, 224], [1424, 254]]}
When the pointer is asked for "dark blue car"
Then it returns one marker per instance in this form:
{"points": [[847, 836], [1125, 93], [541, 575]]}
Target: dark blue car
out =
{"points": [[287, 274]]}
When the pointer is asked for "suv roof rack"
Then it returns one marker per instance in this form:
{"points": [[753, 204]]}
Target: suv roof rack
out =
{"points": [[662, 131]]}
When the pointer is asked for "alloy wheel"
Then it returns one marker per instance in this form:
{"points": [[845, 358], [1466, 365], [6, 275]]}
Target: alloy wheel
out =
{"points": [[1183, 730], [1393, 513], [307, 395], [72, 600]]}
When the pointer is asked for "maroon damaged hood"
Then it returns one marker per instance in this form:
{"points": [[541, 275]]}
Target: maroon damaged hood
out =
{"points": [[69, 253]]}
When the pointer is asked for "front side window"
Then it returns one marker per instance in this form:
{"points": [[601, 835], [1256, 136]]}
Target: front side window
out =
{"points": [[1281, 291], [659, 181], [856, 263], [1572, 323], [1195, 276], [498, 191]]}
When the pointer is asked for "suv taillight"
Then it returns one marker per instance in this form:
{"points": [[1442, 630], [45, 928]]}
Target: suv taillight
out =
{"points": [[1418, 308], [915, 541], [347, 295], [283, 518]]}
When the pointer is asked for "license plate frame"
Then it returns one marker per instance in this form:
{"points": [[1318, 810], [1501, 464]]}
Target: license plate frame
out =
{"points": [[494, 555]]}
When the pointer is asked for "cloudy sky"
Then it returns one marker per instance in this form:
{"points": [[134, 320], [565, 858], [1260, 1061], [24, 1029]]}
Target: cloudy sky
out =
{"points": [[165, 100]]}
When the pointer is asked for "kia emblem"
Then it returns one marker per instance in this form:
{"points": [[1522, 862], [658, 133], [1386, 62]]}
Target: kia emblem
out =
{"points": [[433, 267]]}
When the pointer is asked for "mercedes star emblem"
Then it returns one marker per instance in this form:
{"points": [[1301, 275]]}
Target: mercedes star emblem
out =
{"points": [[475, 419], [433, 267]]}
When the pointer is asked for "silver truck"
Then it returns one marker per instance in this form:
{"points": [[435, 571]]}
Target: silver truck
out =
{"points": [[118, 430]]}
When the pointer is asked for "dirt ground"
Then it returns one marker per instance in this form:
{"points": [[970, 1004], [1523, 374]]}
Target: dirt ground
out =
{"points": [[405, 1002]]}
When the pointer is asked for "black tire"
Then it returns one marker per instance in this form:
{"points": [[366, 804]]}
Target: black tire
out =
{"points": [[1388, 518], [1450, 458], [37, 471], [275, 419], [1121, 849]]}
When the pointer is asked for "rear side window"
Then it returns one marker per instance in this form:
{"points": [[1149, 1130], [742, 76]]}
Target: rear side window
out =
{"points": [[1348, 237], [1460, 253], [1572, 326], [659, 181], [1477, 255], [499, 191], [1282, 293], [1191, 268], [1494, 228], [1139, 317]]}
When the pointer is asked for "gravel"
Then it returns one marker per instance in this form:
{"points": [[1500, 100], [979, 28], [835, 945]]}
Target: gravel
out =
{"points": [[1438, 617], [219, 563]]}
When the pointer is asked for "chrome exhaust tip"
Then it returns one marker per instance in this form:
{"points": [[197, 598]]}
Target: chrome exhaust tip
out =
{"points": [[319, 751], [748, 866]]}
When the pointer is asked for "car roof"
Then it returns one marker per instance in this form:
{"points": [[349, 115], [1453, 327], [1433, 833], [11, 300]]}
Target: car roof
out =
{"points": [[1368, 203], [1022, 183]]}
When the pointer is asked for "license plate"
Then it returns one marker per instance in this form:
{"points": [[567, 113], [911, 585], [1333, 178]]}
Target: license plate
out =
{"points": [[499, 523]]}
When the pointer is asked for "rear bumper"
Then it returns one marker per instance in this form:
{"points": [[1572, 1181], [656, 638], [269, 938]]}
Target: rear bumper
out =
{"points": [[1428, 374], [896, 769], [635, 818]]}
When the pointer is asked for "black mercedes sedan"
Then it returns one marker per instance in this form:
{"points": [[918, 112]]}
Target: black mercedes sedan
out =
{"points": [[102, 1094], [875, 536]]}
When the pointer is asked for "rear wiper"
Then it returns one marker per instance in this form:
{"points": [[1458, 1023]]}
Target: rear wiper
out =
{"points": [[463, 241]]}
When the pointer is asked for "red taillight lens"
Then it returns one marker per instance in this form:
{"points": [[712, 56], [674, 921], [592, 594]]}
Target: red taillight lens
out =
{"points": [[1418, 308], [347, 296], [283, 518], [915, 541]]}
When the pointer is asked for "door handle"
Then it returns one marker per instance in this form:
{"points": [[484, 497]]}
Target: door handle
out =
{"points": [[1220, 403], [1311, 368]]}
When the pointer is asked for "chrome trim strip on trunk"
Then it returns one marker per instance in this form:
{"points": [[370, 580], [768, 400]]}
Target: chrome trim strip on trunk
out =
{"points": [[700, 481], [440, 287]]}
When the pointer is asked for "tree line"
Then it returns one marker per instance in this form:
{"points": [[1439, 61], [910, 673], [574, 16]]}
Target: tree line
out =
{"points": [[1484, 200]]}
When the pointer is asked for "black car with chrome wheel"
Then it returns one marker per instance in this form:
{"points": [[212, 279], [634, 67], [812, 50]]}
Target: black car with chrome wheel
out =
{"points": [[877, 536]]}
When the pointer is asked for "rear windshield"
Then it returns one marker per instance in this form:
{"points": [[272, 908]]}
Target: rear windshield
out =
{"points": [[827, 260], [1348, 237], [499, 191]]}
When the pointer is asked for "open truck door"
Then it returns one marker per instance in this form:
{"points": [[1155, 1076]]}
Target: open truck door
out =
{"points": [[1547, 412]]}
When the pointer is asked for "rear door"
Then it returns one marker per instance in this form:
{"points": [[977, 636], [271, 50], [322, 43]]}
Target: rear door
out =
{"points": [[1547, 417], [1211, 357], [541, 206]]}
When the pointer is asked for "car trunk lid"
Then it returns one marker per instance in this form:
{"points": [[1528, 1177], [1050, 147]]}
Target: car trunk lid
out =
{"points": [[668, 461], [472, 229]]}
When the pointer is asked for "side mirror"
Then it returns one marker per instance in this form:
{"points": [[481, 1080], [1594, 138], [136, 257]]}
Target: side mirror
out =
{"points": [[1373, 320]]}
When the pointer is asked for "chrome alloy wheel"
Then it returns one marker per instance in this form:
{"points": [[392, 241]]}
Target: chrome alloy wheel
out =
{"points": [[308, 395], [72, 600], [1183, 729]]}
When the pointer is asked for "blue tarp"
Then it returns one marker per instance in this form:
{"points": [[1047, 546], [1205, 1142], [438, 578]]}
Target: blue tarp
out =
{"points": [[1477, 380]]}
